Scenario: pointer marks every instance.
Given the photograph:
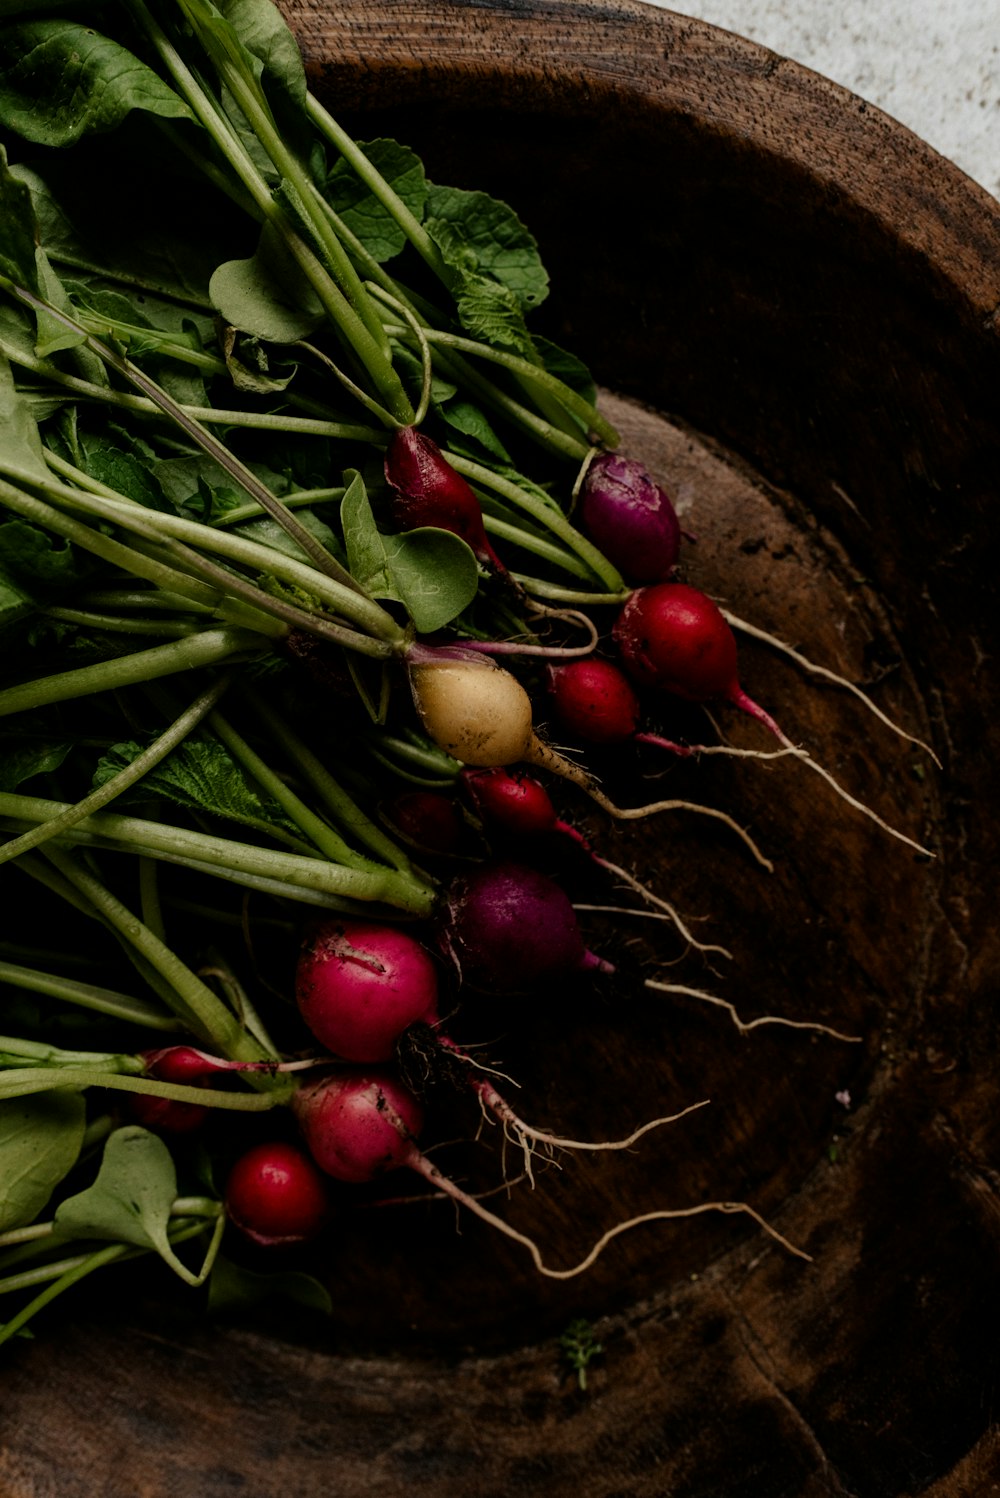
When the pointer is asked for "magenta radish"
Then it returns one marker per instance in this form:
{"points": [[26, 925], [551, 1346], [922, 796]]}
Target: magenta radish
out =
{"points": [[276, 1196], [594, 700], [428, 491], [359, 984], [630, 517], [359, 1126]]}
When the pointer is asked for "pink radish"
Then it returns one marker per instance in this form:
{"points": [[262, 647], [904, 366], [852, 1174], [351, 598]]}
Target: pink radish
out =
{"points": [[594, 700], [428, 491], [176, 1063], [360, 1125], [360, 984], [630, 517], [276, 1196]]}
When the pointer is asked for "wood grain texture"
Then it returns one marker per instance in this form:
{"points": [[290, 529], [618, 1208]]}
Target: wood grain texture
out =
{"points": [[796, 305]]}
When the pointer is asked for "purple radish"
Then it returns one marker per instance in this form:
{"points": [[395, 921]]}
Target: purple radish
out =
{"points": [[630, 517], [276, 1196], [509, 928], [359, 984], [428, 491], [430, 821], [175, 1063]]}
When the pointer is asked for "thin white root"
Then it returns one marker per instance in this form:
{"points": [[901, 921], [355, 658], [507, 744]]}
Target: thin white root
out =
{"points": [[827, 675], [430, 1172], [634, 813], [745, 1026], [661, 904], [807, 759], [522, 1130]]}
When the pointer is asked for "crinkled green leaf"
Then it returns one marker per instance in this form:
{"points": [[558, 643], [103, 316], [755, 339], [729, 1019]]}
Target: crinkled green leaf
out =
{"points": [[200, 774], [467, 419], [38, 556], [15, 604], [478, 233], [362, 212], [251, 366], [125, 464], [434, 573], [40, 1142], [19, 440], [60, 80], [492, 312], [17, 229]]}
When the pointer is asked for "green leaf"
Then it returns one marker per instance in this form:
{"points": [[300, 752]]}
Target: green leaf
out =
{"points": [[492, 313], [467, 419], [131, 1198], [21, 759], [366, 555], [435, 574], [202, 775], [250, 365], [125, 463], [266, 295], [233, 1288], [19, 440], [264, 34], [14, 604], [37, 556], [17, 230], [566, 367], [40, 1142], [60, 80], [478, 233], [269, 533], [362, 212]]}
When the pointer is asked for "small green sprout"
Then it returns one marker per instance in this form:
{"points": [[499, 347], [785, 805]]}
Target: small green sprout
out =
{"points": [[579, 1345]]}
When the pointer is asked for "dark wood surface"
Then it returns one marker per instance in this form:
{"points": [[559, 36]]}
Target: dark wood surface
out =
{"points": [[795, 303]]}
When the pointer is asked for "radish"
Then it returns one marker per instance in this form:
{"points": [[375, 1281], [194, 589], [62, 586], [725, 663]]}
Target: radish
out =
{"points": [[276, 1196], [429, 821], [630, 517], [595, 700], [428, 491], [360, 984], [674, 637], [176, 1063], [360, 1125], [508, 928]]}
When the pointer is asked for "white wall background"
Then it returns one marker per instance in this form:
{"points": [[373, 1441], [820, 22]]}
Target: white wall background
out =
{"points": [[932, 64]]}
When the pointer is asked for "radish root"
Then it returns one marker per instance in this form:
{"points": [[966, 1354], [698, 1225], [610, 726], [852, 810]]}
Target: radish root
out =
{"points": [[745, 1026]]}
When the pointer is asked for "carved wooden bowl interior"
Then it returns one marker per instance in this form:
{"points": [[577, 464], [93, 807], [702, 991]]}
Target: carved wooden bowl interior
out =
{"points": [[791, 304]]}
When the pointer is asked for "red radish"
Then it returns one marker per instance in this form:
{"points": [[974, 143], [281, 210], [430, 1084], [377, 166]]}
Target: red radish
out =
{"points": [[276, 1196], [630, 517], [358, 1126], [595, 700], [360, 984], [428, 491], [429, 820], [176, 1063], [509, 928], [674, 637]]}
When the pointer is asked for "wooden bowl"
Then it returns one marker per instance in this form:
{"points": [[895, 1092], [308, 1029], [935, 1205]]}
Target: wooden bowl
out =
{"points": [[792, 304]]}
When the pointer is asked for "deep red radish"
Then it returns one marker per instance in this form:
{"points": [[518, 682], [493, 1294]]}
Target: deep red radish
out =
{"points": [[594, 700], [358, 1125], [630, 517], [176, 1063], [514, 803], [359, 984], [428, 491], [430, 821], [508, 928], [276, 1196], [674, 637]]}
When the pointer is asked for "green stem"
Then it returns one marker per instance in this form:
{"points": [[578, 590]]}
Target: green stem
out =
{"points": [[174, 844], [29, 1081], [88, 996], [337, 801], [546, 513], [119, 624], [209, 648], [70, 1273], [537, 545], [129, 775]]}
